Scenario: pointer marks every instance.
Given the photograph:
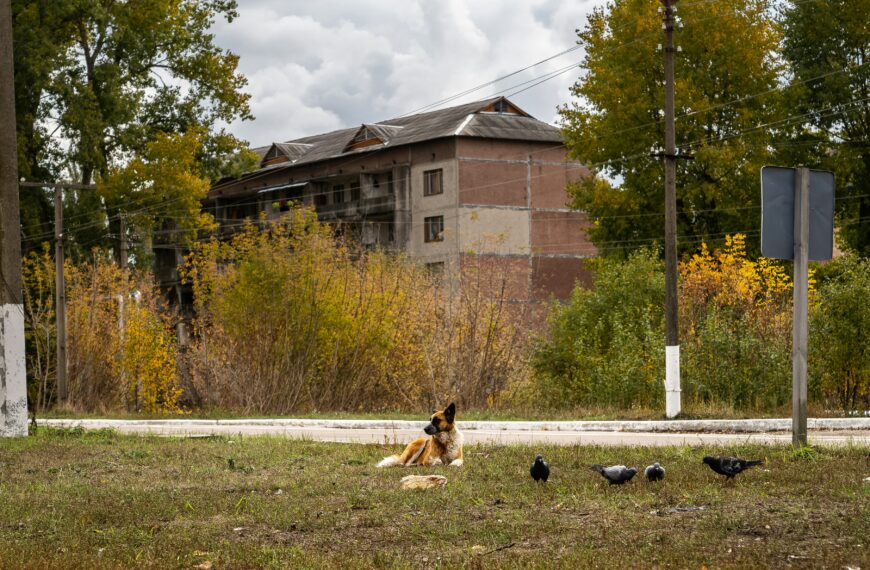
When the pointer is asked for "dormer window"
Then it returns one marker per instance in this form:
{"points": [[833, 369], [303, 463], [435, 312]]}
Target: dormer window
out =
{"points": [[371, 135], [503, 106], [284, 152]]}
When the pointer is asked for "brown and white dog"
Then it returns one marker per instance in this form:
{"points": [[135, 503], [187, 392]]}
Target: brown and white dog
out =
{"points": [[443, 444]]}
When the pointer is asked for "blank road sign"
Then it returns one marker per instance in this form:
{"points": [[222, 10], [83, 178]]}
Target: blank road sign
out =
{"points": [[777, 213]]}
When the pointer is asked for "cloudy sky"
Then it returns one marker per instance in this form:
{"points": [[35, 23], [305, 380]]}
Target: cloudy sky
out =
{"points": [[319, 65]]}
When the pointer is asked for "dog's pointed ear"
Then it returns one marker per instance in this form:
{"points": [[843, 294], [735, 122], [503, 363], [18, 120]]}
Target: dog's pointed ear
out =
{"points": [[450, 412]]}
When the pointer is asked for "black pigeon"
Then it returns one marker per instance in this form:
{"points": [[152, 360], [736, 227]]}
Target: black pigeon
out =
{"points": [[654, 472], [730, 466], [540, 470], [616, 474]]}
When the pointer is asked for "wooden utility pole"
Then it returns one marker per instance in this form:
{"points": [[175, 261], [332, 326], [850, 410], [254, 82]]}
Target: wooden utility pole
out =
{"points": [[672, 341], [13, 376], [59, 279], [122, 236], [60, 296], [801, 298]]}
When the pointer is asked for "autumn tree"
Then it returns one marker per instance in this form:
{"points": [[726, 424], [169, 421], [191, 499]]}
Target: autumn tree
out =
{"points": [[726, 89], [109, 79], [828, 47]]}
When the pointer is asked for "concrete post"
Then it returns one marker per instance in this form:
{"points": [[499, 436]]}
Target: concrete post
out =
{"points": [[13, 377]]}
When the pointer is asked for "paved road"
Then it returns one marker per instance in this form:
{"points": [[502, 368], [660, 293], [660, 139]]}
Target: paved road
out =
{"points": [[383, 433]]}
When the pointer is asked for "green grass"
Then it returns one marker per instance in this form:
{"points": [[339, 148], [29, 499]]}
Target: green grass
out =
{"points": [[70, 499], [507, 414]]}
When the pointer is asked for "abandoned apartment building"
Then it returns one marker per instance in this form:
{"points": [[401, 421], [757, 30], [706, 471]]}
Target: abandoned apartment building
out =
{"points": [[477, 185]]}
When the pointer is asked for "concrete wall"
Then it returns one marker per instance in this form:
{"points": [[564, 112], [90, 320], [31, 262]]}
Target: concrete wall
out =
{"points": [[494, 230], [437, 205]]}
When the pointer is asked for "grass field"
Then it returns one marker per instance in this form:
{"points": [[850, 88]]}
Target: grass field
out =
{"points": [[507, 414], [99, 500]]}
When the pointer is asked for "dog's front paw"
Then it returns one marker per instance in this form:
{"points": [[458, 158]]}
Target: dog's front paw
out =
{"points": [[456, 463]]}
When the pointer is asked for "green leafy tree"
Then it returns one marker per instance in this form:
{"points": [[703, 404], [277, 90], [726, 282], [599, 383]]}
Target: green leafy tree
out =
{"points": [[828, 47], [109, 79], [726, 74]]}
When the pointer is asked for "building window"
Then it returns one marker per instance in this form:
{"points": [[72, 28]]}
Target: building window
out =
{"points": [[433, 182], [320, 199], [338, 194], [354, 192], [435, 269], [433, 229]]}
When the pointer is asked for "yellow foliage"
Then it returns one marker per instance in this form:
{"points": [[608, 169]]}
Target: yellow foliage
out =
{"points": [[147, 366], [727, 280], [121, 353], [312, 323]]}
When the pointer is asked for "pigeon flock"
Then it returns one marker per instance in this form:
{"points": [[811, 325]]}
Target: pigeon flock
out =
{"points": [[620, 474]]}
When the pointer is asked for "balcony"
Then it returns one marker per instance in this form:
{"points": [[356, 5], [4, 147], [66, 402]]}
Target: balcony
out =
{"points": [[365, 207]]}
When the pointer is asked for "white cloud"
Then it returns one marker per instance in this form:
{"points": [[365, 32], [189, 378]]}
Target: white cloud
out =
{"points": [[317, 66]]}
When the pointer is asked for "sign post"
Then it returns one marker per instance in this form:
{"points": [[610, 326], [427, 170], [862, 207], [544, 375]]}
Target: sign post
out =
{"points": [[801, 308], [797, 222]]}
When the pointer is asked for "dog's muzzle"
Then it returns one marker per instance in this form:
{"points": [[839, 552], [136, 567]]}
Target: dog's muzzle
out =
{"points": [[430, 430]]}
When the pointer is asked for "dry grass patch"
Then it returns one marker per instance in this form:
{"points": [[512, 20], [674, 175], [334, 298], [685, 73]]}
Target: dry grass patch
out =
{"points": [[70, 499]]}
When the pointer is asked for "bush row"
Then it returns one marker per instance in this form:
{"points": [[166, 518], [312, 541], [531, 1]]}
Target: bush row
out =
{"points": [[605, 346]]}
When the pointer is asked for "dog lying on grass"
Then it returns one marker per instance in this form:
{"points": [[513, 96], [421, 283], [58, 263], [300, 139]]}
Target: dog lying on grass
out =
{"points": [[443, 444]]}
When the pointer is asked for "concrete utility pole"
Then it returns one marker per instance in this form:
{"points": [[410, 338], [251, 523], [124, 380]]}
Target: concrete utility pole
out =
{"points": [[13, 378], [672, 341], [800, 315]]}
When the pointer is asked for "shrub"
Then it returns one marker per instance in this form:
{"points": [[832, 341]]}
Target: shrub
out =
{"points": [[735, 328], [292, 318], [40, 331], [605, 346], [839, 340], [147, 365], [121, 351]]}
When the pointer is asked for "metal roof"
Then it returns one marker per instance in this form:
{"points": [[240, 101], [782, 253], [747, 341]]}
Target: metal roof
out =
{"points": [[467, 120]]}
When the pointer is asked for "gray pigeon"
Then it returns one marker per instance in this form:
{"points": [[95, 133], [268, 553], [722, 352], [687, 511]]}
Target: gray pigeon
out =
{"points": [[654, 472], [540, 470], [616, 474], [730, 466]]}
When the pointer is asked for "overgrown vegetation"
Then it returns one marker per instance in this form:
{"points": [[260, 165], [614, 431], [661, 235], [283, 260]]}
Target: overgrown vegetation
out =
{"points": [[99, 500], [293, 318], [840, 335], [606, 345], [122, 349]]}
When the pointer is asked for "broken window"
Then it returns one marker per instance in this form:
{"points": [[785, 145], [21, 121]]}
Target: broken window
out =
{"points": [[433, 229]]}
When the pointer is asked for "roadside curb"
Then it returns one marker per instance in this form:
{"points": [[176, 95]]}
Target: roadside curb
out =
{"points": [[671, 426]]}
